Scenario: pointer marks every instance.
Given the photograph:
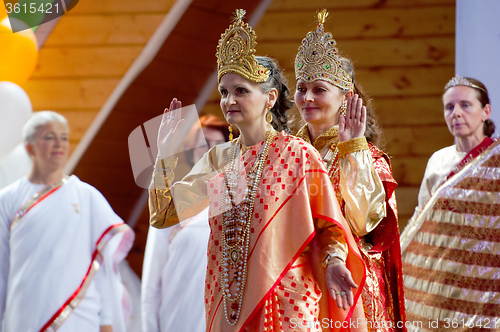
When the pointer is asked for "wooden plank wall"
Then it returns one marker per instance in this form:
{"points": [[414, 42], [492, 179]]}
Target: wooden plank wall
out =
{"points": [[176, 70], [87, 54], [403, 52]]}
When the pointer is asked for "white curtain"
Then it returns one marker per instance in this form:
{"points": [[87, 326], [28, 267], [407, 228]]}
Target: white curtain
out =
{"points": [[478, 47]]}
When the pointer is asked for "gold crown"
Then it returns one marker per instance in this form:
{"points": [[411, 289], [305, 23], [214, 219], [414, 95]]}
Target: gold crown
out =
{"points": [[459, 80], [235, 52], [318, 59]]}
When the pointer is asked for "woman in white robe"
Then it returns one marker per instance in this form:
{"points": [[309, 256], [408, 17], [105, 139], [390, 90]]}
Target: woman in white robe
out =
{"points": [[60, 244], [472, 131]]}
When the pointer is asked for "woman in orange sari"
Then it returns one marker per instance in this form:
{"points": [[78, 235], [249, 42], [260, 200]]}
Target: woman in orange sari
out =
{"points": [[272, 212], [344, 132]]}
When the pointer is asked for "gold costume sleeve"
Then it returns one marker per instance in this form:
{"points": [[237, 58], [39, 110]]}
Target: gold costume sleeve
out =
{"points": [[332, 241], [170, 204], [362, 191]]}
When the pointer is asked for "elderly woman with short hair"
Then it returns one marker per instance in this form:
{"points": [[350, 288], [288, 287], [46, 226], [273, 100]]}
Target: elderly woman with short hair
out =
{"points": [[60, 243]]}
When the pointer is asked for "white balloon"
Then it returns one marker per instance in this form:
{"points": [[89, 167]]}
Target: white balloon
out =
{"points": [[15, 108], [14, 165]]}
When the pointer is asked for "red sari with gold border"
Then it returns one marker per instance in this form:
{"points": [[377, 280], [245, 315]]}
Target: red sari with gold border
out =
{"points": [[293, 214], [285, 281], [383, 296]]}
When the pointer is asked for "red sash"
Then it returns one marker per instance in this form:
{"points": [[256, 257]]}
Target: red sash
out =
{"points": [[471, 156], [37, 198], [74, 300]]}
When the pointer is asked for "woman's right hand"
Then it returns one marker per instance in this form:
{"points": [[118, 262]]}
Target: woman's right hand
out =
{"points": [[353, 123], [340, 283], [170, 129]]}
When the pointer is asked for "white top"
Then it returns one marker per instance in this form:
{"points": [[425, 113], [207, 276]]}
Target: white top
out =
{"points": [[438, 168], [173, 277]]}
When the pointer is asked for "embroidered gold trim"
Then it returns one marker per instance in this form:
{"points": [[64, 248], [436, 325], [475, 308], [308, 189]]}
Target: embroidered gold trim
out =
{"points": [[353, 145], [326, 138]]}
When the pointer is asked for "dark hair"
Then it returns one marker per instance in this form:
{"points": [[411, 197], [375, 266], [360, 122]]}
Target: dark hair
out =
{"points": [[214, 122], [373, 132], [279, 82], [484, 99], [206, 121]]}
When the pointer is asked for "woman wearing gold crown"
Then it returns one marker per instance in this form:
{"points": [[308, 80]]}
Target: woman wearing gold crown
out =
{"points": [[451, 247], [266, 191], [345, 133]]}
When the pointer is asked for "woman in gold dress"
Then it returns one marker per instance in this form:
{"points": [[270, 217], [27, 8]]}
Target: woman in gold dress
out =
{"points": [[345, 132], [272, 212]]}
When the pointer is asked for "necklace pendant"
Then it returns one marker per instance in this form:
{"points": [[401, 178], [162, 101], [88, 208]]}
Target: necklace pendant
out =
{"points": [[251, 176], [232, 178], [234, 310], [234, 255]]}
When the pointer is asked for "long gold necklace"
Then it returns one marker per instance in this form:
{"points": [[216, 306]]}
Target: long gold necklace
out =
{"points": [[236, 222]]}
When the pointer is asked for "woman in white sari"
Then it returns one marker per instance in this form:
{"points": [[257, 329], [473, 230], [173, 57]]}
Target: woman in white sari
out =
{"points": [[60, 243]]}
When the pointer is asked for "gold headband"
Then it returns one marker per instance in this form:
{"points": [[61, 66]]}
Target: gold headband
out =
{"points": [[235, 52], [318, 59], [459, 80]]}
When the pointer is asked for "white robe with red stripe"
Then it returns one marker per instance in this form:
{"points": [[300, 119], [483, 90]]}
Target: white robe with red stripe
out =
{"points": [[47, 256]]}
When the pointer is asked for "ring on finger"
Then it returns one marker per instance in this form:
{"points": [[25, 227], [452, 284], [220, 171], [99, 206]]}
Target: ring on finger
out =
{"points": [[342, 293], [338, 293]]}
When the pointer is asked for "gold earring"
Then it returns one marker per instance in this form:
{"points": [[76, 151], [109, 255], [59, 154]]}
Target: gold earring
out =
{"points": [[230, 133], [269, 116], [343, 108]]}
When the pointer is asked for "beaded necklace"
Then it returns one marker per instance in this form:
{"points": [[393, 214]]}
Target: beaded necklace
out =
{"points": [[236, 222]]}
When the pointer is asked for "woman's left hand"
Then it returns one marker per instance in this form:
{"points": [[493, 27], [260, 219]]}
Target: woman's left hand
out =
{"points": [[353, 124], [339, 282]]}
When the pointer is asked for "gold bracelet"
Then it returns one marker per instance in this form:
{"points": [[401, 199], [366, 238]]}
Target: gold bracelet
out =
{"points": [[333, 255], [352, 145], [166, 166]]}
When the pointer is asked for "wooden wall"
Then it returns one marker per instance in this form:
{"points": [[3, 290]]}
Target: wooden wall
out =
{"points": [[87, 54], [403, 52], [176, 71]]}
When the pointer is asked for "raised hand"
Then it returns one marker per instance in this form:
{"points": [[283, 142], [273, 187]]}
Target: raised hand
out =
{"points": [[353, 124], [340, 283], [170, 129]]}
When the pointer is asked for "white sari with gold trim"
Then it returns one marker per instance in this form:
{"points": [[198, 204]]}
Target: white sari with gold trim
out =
{"points": [[51, 257]]}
